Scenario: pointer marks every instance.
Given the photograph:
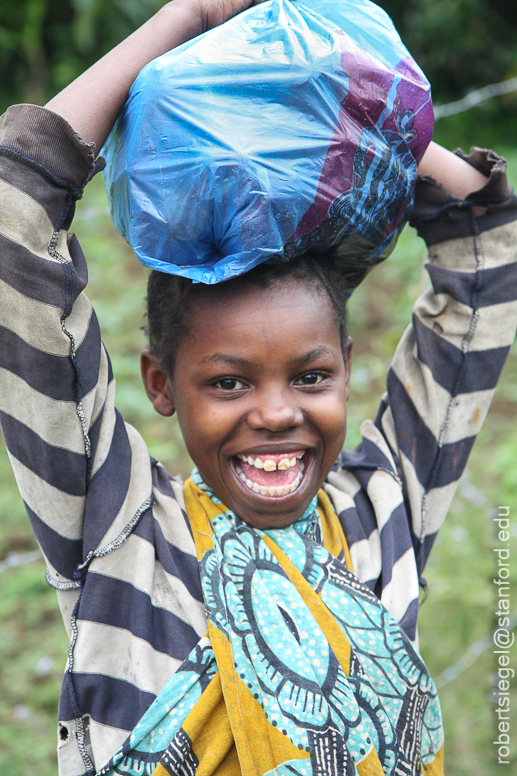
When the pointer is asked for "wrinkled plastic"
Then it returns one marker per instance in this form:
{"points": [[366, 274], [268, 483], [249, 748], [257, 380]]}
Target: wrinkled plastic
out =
{"points": [[291, 127]]}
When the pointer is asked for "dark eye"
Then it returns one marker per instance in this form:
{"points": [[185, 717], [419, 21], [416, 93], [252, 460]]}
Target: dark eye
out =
{"points": [[310, 378], [229, 384]]}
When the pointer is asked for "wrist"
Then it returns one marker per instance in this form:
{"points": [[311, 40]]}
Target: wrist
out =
{"points": [[452, 172], [184, 19]]}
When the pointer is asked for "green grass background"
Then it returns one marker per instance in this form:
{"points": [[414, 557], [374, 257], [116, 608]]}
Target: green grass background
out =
{"points": [[461, 597]]}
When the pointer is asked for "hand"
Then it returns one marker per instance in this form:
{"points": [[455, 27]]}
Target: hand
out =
{"points": [[214, 12]]}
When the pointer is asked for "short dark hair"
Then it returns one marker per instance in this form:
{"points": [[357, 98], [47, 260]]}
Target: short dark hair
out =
{"points": [[170, 298]]}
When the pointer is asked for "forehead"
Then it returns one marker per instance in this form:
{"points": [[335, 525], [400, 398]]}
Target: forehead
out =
{"points": [[286, 316]]}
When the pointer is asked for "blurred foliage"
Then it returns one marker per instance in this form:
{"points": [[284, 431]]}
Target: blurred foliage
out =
{"points": [[44, 44], [459, 44]]}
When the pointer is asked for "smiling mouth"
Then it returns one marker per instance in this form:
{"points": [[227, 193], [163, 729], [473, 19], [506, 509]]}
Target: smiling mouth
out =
{"points": [[272, 475]]}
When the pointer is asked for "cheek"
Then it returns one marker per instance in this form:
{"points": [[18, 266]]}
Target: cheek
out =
{"points": [[204, 428], [333, 423]]}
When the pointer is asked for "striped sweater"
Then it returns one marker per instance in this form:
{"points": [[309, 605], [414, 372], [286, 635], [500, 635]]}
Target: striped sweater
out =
{"points": [[111, 521]]}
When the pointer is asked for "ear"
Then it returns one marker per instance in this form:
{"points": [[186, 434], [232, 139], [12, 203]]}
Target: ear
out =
{"points": [[157, 384], [348, 364]]}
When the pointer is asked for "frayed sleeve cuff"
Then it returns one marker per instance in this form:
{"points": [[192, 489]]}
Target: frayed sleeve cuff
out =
{"points": [[438, 215], [45, 139]]}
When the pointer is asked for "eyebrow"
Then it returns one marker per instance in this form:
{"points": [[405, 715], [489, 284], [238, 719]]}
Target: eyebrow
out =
{"points": [[227, 358], [312, 355], [232, 360]]}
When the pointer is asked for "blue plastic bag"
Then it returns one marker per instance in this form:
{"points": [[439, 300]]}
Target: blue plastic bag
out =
{"points": [[291, 127]]}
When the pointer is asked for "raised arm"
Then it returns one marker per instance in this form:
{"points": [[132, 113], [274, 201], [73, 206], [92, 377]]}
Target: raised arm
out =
{"points": [[449, 360], [92, 102], [67, 444]]}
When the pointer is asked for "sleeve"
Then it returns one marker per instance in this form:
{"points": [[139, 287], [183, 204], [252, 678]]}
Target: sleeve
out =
{"points": [[71, 453], [448, 362]]}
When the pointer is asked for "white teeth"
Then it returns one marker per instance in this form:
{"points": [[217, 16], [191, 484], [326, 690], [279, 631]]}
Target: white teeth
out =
{"points": [[278, 490], [269, 465]]}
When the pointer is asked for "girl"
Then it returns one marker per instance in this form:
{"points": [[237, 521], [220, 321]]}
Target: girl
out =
{"points": [[260, 617]]}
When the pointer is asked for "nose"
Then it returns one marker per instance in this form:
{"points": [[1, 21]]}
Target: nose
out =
{"points": [[275, 410]]}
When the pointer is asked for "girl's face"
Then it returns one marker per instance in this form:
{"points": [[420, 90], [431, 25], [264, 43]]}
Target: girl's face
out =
{"points": [[260, 387]]}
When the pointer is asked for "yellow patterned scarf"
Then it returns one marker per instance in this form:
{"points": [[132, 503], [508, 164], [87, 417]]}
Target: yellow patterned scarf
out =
{"points": [[303, 672]]}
